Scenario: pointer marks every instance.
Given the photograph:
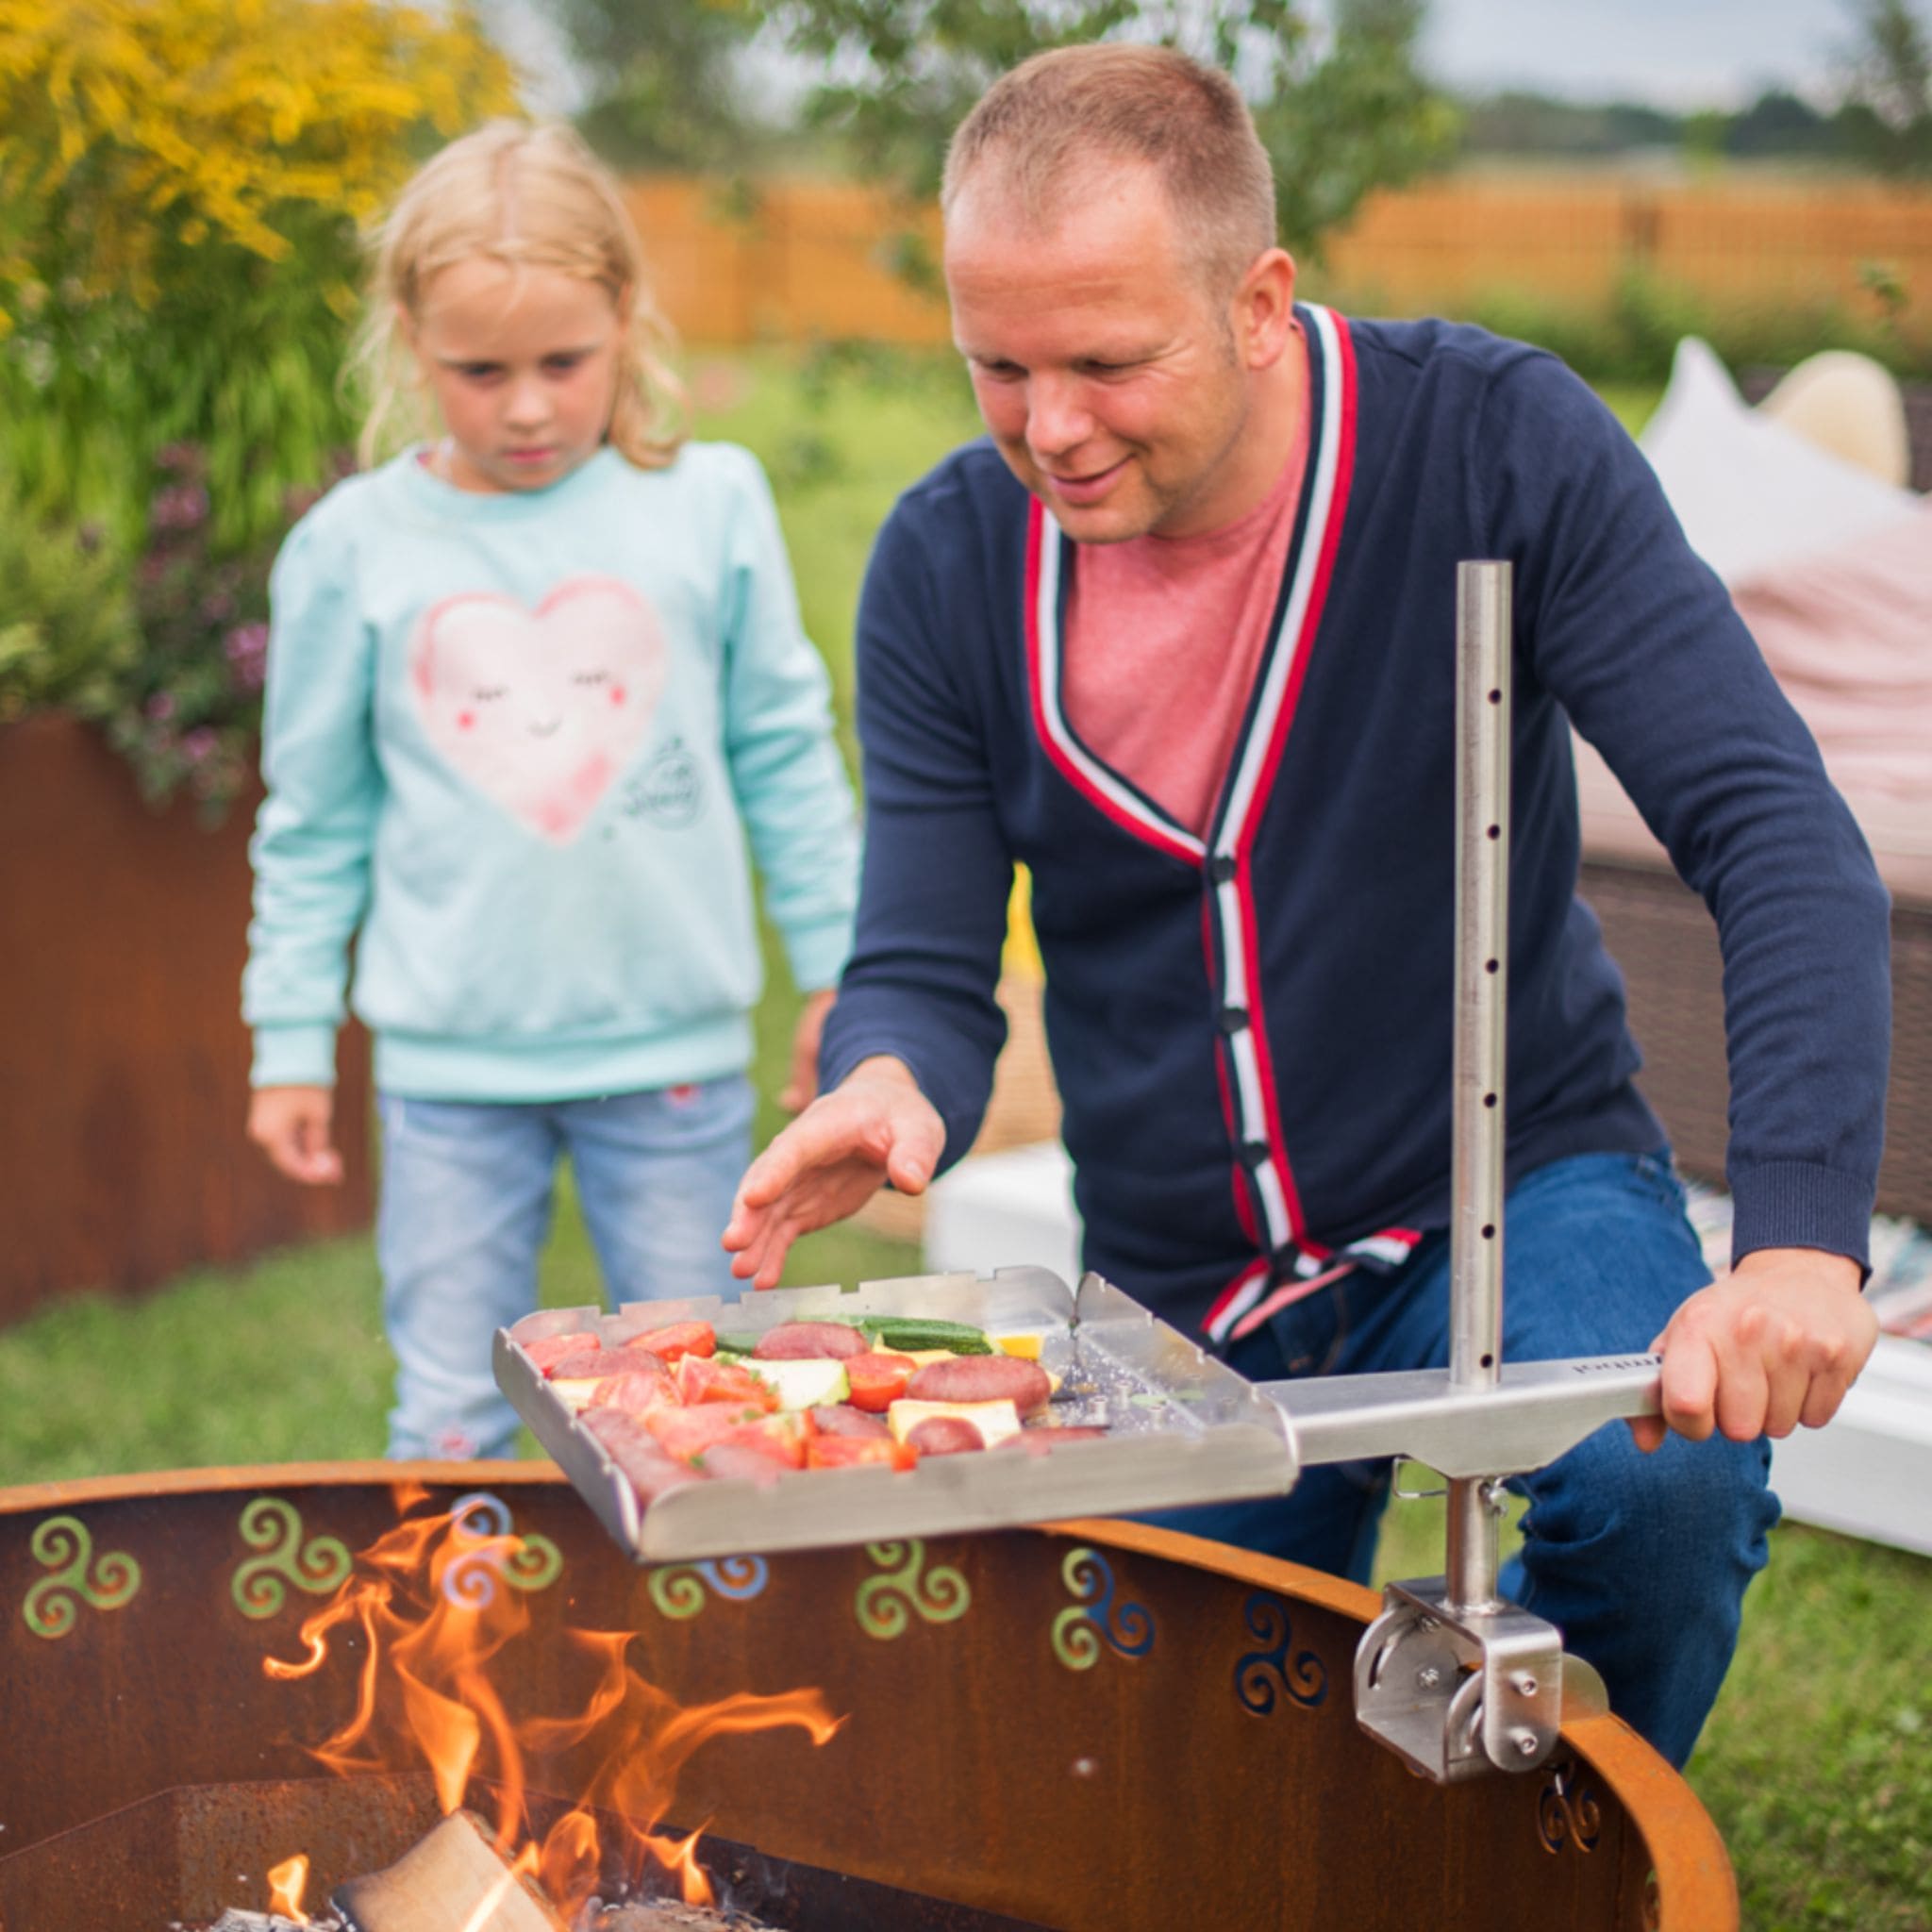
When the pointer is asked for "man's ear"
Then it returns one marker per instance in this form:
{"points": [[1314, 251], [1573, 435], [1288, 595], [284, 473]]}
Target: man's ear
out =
{"points": [[1263, 308]]}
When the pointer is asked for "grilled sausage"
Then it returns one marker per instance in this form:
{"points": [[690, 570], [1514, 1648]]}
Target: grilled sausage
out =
{"points": [[944, 1435], [841, 1419], [983, 1378], [810, 1341]]}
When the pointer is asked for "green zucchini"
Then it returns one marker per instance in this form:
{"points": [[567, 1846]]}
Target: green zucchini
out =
{"points": [[904, 1334]]}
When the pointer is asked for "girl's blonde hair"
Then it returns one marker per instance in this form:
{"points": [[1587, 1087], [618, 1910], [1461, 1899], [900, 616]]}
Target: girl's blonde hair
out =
{"points": [[531, 197]]}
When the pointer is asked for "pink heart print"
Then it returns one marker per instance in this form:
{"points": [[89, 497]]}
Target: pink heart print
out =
{"points": [[540, 711]]}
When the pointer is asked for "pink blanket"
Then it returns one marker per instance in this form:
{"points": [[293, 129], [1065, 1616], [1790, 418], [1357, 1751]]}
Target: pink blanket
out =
{"points": [[1848, 633]]}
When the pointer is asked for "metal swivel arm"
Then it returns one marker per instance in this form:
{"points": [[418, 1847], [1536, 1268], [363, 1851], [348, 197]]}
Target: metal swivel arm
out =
{"points": [[1450, 1677]]}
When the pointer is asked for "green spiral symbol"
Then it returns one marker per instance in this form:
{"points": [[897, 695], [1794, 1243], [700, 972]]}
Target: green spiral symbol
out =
{"points": [[886, 1604], [677, 1590], [273, 1526], [64, 1545], [537, 1564]]}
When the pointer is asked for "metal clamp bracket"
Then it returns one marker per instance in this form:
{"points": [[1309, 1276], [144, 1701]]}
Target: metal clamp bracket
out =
{"points": [[1456, 1693]]}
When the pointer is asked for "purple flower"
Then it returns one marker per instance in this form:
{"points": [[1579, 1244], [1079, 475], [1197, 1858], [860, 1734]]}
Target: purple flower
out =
{"points": [[161, 707], [180, 506], [199, 745], [179, 458], [217, 607], [247, 648]]}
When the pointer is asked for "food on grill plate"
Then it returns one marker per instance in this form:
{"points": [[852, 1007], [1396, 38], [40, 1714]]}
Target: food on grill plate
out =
{"points": [[679, 1339], [678, 1403], [991, 1422], [983, 1378], [944, 1435], [809, 1342], [878, 1379], [553, 1348], [845, 1419]]}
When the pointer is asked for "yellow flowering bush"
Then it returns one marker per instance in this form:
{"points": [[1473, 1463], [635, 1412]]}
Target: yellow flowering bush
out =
{"points": [[180, 186]]}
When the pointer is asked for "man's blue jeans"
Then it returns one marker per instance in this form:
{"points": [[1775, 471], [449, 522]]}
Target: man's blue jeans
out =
{"points": [[1640, 1560], [466, 1198]]}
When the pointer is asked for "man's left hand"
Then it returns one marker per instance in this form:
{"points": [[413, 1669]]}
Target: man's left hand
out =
{"points": [[802, 1086], [1777, 1343]]}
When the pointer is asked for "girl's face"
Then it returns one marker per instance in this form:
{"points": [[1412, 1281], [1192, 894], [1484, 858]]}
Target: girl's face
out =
{"points": [[523, 365]]}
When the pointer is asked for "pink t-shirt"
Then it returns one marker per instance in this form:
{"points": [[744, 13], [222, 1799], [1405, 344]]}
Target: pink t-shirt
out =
{"points": [[1163, 638]]}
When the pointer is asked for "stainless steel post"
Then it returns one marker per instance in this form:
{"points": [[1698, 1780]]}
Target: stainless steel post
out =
{"points": [[1482, 991]]}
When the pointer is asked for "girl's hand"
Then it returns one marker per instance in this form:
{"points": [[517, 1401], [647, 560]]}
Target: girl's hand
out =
{"points": [[292, 1125], [803, 1086]]}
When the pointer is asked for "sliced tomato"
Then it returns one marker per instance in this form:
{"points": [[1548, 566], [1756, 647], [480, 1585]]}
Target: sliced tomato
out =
{"points": [[633, 1391], [699, 1380], [851, 1452], [878, 1379], [780, 1438], [689, 1432], [586, 1365], [679, 1339], [553, 1348]]}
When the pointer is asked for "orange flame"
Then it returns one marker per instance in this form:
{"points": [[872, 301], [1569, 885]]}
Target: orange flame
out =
{"points": [[424, 1693], [286, 1884]]}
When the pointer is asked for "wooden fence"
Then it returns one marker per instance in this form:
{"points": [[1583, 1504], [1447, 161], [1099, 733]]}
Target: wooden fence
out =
{"points": [[800, 260]]}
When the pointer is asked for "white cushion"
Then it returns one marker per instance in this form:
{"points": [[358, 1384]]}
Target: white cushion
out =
{"points": [[1749, 491]]}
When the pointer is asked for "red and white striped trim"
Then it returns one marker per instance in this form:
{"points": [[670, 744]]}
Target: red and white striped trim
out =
{"points": [[1256, 758], [1100, 786]]}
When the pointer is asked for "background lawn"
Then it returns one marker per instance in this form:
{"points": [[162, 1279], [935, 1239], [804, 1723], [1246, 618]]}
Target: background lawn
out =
{"points": [[1816, 1762]]}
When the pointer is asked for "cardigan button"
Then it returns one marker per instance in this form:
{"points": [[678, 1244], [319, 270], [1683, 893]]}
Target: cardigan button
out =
{"points": [[1224, 868], [1256, 1153], [1234, 1020]]}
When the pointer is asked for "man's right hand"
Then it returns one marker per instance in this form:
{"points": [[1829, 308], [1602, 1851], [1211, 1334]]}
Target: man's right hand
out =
{"points": [[873, 1127], [292, 1125]]}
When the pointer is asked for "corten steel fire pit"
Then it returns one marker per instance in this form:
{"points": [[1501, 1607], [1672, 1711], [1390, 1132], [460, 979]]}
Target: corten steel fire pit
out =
{"points": [[1093, 1725]]}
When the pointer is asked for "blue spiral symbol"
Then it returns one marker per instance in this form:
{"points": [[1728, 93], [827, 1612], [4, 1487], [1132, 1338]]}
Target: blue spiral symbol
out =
{"points": [[741, 1579], [1258, 1673]]}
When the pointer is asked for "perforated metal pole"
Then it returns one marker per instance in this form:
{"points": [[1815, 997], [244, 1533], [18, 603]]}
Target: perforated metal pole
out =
{"points": [[1482, 994]]}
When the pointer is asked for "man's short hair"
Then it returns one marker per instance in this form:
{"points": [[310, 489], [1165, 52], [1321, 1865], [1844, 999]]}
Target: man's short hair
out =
{"points": [[1048, 124]]}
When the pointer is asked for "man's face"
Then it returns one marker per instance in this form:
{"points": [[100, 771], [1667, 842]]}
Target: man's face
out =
{"points": [[1109, 376]]}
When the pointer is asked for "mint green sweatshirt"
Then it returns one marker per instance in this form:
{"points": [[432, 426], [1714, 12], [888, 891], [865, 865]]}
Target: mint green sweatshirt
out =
{"points": [[514, 746]]}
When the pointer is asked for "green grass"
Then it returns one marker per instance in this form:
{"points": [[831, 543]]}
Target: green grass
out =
{"points": [[1815, 1763]]}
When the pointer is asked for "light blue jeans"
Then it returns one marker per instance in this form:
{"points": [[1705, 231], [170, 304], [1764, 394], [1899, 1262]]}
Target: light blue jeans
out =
{"points": [[1640, 1560], [466, 1203]]}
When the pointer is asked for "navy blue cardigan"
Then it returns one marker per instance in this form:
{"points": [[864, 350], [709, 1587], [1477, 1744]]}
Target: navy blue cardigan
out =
{"points": [[1251, 1032]]}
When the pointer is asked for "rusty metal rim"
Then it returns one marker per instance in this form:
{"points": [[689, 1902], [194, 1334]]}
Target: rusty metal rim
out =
{"points": [[1696, 1887]]}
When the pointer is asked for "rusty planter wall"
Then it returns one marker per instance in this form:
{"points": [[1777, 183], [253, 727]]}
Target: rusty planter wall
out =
{"points": [[1096, 1725], [123, 1062]]}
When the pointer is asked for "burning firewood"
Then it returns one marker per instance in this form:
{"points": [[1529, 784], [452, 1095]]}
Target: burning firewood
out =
{"points": [[454, 1880]]}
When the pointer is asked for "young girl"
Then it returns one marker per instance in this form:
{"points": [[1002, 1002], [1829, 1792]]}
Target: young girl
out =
{"points": [[530, 686]]}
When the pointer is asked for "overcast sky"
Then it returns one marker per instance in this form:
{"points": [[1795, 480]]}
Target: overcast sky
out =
{"points": [[1674, 53]]}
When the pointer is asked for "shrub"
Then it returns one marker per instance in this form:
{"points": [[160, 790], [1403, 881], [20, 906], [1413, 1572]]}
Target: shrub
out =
{"points": [[67, 632], [180, 185]]}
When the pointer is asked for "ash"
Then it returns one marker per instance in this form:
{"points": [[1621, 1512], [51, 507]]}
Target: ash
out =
{"points": [[237, 1920], [665, 1915]]}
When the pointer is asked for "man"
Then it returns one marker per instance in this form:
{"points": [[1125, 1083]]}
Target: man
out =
{"points": [[1182, 640]]}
